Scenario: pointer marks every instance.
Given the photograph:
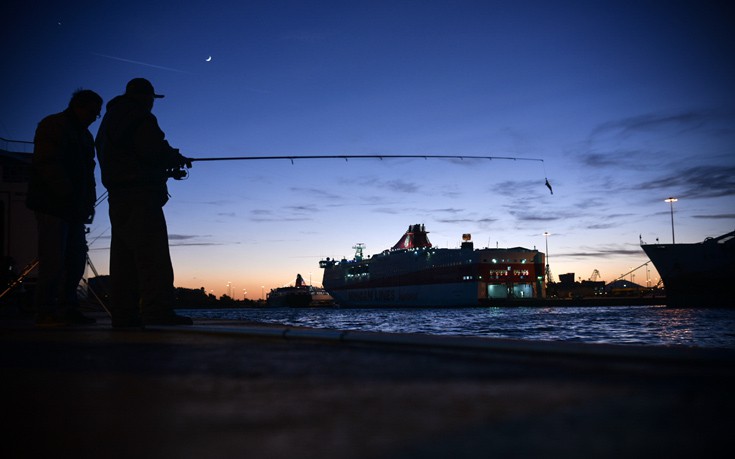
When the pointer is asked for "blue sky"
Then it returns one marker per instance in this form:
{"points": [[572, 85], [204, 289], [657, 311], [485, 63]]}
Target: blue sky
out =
{"points": [[627, 103]]}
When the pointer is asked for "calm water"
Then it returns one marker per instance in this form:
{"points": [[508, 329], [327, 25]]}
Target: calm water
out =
{"points": [[647, 325]]}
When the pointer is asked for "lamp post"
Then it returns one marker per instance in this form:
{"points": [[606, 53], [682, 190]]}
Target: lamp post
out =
{"points": [[548, 274], [671, 201]]}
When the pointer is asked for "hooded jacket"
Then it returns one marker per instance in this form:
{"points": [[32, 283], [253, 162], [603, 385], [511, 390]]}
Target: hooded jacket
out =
{"points": [[62, 169], [133, 152]]}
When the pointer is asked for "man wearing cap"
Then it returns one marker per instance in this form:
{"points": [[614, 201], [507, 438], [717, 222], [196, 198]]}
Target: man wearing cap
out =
{"points": [[134, 157]]}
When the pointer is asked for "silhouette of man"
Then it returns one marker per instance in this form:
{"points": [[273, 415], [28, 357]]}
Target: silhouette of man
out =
{"points": [[134, 157], [62, 193]]}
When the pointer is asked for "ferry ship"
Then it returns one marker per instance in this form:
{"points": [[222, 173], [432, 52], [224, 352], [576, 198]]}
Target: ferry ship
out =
{"points": [[698, 274], [299, 295], [414, 273]]}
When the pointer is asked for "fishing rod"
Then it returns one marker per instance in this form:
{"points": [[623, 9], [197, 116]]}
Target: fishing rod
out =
{"points": [[181, 173], [348, 157]]}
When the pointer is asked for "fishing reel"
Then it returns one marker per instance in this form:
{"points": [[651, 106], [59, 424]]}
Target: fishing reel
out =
{"points": [[177, 173], [181, 170]]}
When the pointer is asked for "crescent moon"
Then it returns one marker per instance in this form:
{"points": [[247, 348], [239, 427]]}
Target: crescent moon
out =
{"points": [[208, 59]]}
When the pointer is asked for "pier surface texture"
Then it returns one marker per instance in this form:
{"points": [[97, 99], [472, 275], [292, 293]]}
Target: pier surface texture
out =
{"points": [[225, 389]]}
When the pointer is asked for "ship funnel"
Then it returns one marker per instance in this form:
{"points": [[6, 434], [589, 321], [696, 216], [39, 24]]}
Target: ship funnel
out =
{"points": [[415, 237], [467, 243]]}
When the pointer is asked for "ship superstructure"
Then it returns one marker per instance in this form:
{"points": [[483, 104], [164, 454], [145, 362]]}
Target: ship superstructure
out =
{"points": [[414, 273]]}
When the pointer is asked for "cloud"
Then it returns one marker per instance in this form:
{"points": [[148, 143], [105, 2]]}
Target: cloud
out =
{"points": [[664, 134], [449, 210], [181, 237], [602, 226], [322, 195], [397, 185], [401, 186], [602, 253], [622, 159], [534, 216], [715, 217], [457, 220], [680, 122], [388, 210], [531, 188], [180, 240], [264, 215], [303, 208], [696, 182], [194, 244]]}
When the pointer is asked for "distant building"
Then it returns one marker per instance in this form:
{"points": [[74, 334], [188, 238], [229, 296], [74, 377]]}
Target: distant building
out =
{"points": [[568, 288], [622, 287]]}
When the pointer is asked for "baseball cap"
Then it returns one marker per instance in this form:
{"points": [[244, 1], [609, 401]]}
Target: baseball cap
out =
{"points": [[141, 87]]}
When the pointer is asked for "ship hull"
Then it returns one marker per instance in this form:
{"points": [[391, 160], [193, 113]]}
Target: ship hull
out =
{"points": [[437, 295], [431, 277], [292, 299], [299, 297], [696, 275]]}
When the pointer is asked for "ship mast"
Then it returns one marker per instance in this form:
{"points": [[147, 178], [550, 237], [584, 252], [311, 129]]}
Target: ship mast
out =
{"points": [[358, 250]]}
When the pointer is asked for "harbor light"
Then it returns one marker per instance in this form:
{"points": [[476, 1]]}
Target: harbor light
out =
{"points": [[671, 201], [548, 273]]}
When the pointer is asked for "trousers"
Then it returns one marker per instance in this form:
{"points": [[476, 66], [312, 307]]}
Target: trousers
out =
{"points": [[62, 258], [141, 273]]}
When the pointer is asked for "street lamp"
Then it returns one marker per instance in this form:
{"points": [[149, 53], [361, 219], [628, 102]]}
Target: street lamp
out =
{"points": [[671, 202], [548, 273]]}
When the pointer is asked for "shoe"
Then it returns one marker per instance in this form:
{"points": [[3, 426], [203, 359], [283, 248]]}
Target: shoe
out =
{"points": [[132, 322], [75, 317], [168, 319], [50, 321]]}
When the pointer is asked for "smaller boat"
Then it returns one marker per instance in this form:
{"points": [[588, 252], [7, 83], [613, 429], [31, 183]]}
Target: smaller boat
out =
{"points": [[299, 295]]}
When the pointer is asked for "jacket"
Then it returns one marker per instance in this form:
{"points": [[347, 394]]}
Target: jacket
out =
{"points": [[62, 180], [133, 152]]}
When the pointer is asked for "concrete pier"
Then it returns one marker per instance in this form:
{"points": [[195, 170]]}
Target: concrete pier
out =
{"points": [[233, 389]]}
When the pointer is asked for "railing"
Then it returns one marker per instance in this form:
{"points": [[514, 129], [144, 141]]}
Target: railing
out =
{"points": [[16, 146]]}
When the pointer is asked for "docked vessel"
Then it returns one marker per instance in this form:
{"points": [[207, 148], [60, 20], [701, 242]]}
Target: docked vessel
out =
{"points": [[299, 295], [698, 274], [413, 273]]}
